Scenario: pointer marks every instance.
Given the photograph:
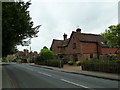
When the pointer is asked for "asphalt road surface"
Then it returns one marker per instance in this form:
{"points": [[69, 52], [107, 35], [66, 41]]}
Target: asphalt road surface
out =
{"points": [[25, 76]]}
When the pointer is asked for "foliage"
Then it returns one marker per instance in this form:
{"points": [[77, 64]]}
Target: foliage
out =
{"points": [[4, 59], [112, 35], [48, 58], [46, 54], [112, 56], [16, 26], [78, 63], [55, 63], [52, 62], [12, 60], [70, 62], [65, 61]]}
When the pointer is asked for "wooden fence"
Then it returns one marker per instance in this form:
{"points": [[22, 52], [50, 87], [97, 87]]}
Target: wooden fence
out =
{"points": [[102, 67]]}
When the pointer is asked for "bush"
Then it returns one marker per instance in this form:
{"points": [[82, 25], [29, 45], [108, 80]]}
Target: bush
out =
{"points": [[51, 62], [4, 60], [112, 56], [13, 60], [70, 62], [65, 61], [46, 54], [78, 63], [55, 63]]}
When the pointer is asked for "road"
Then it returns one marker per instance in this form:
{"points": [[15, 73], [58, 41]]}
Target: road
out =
{"points": [[25, 76]]}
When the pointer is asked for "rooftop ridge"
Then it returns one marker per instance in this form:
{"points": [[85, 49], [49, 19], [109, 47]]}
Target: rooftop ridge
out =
{"points": [[90, 34]]}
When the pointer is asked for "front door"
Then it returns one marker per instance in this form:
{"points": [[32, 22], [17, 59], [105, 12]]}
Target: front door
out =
{"points": [[75, 57]]}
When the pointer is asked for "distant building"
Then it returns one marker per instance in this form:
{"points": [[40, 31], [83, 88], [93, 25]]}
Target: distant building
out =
{"points": [[81, 46], [26, 56], [10, 57]]}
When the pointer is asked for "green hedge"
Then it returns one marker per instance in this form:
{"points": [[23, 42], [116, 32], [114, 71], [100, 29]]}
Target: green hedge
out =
{"points": [[53, 63]]}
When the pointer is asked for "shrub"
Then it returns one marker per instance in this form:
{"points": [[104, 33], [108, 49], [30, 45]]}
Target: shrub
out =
{"points": [[112, 56], [78, 63], [65, 61], [46, 54], [70, 62], [50, 62], [4, 60], [13, 60], [55, 63]]}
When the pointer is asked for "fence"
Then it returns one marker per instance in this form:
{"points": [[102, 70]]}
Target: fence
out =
{"points": [[102, 67]]}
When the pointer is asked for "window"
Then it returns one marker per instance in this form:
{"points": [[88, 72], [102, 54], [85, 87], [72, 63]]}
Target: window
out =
{"points": [[74, 45], [91, 55]]}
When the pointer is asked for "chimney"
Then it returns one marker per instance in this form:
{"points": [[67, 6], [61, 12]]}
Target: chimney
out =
{"points": [[78, 30], [65, 37]]}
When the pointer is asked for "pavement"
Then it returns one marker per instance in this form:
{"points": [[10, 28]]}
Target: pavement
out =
{"points": [[83, 72]]}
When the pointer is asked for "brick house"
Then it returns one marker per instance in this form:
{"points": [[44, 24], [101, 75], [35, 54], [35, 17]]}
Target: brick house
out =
{"points": [[81, 46], [26, 56]]}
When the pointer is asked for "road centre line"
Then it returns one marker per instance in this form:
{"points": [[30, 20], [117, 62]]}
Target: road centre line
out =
{"points": [[76, 84], [45, 74], [40, 72]]}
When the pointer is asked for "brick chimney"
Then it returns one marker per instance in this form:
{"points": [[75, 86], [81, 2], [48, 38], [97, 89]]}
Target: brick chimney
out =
{"points": [[65, 37], [78, 30]]}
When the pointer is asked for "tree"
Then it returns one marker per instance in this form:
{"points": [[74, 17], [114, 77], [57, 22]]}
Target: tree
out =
{"points": [[112, 35], [46, 54], [16, 26]]}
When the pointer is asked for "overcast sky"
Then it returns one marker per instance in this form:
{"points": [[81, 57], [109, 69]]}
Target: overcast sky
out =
{"points": [[64, 16]]}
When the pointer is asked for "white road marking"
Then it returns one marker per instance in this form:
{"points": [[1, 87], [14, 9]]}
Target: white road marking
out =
{"points": [[45, 74], [76, 84]]}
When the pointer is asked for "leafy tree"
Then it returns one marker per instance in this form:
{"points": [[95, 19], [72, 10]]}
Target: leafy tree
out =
{"points": [[112, 35], [46, 54], [16, 26]]}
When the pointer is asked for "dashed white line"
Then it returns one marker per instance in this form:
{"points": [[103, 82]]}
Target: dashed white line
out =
{"points": [[76, 84], [45, 74]]}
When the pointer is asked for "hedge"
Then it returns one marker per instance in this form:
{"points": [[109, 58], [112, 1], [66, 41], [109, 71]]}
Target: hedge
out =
{"points": [[53, 63]]}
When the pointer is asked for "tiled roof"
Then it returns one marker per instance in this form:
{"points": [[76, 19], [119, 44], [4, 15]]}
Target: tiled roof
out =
{"points": [[60, 43], [83, 37], [91, 37]]}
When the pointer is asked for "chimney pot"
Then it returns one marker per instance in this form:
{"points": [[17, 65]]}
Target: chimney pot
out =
{"points": [[78, 30], [65, 36]]}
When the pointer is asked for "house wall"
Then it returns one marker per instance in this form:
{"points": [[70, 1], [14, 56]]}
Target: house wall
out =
{"points": [[88, 47], [69, 48], [108, 50], [82, 50]]}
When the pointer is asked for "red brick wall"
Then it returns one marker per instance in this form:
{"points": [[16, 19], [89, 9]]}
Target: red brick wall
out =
{"points": [[69, 49], [108, 50], [81, 47], [88, 47]]}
